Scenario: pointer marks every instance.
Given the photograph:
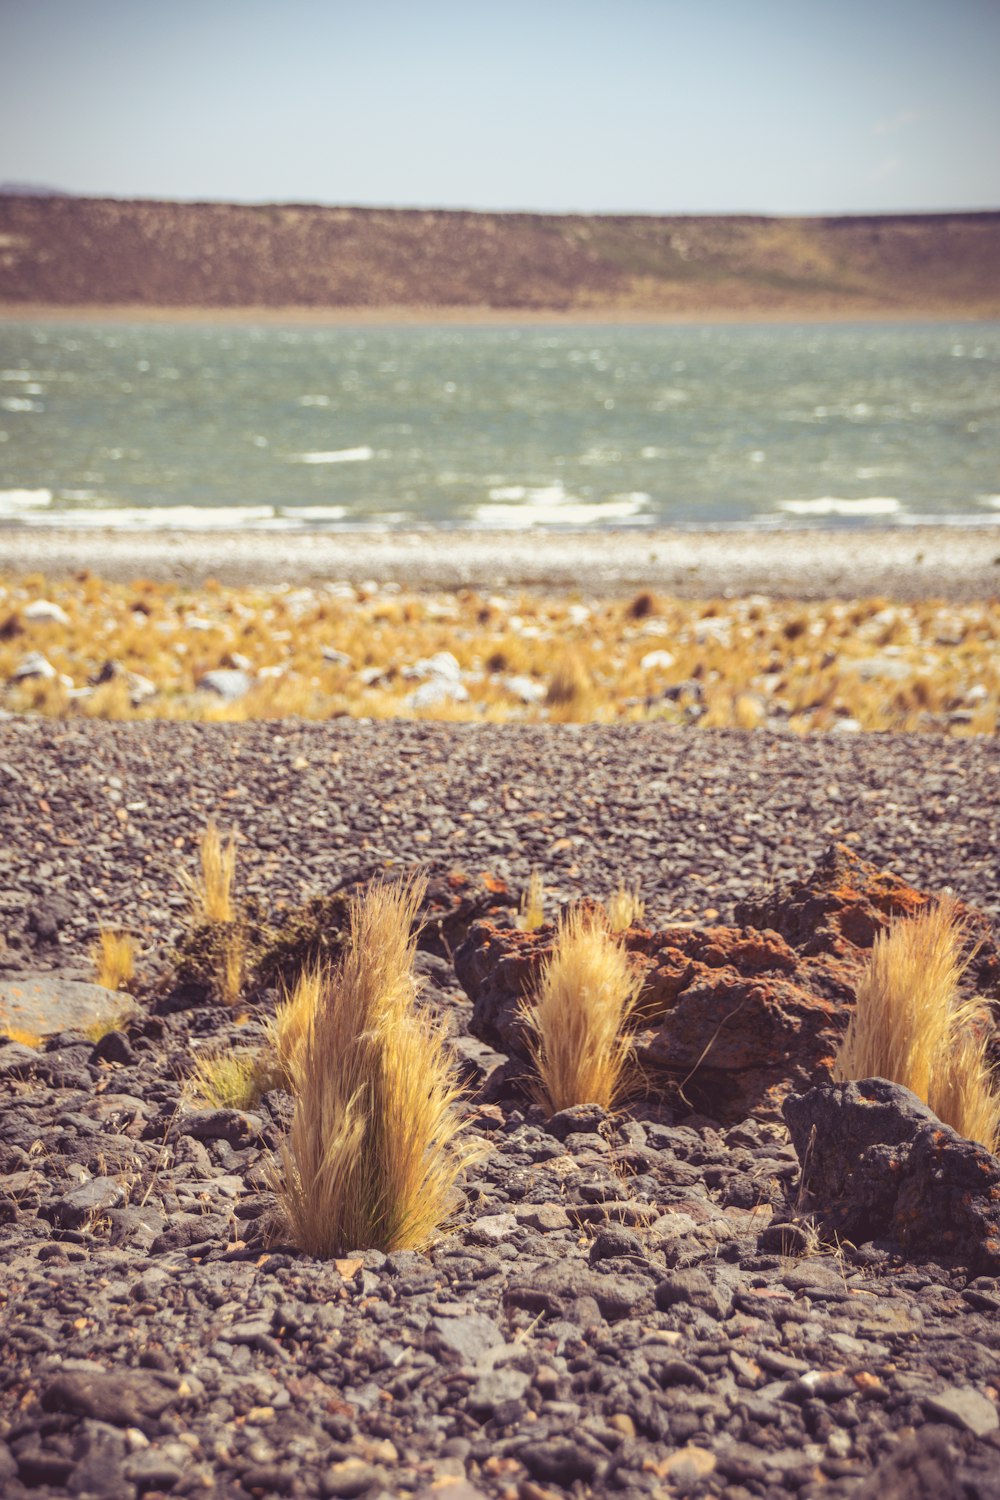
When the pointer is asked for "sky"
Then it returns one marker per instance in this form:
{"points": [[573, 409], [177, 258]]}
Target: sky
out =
{"points": [[598, 106]]}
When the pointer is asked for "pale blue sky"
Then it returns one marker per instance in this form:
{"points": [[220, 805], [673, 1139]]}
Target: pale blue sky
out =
{"points": [[653, 106]]}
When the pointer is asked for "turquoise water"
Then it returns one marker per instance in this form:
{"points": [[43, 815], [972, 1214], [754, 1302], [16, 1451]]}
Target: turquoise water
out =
{"points": [[142, 425]]}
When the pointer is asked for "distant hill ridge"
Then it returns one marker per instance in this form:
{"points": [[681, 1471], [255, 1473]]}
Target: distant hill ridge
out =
{"points": [[97, 252]]}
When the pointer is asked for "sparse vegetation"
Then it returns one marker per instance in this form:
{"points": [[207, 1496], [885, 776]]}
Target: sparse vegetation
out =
{"points": [[211, 891], [231, 969], [531, 908], [578, 1021], [233, 1080], [375, 1148], [295, 1014], [113, 1020], [320, 652], [114, 958], [21, 1035], [910, 1027], [624, 907]]}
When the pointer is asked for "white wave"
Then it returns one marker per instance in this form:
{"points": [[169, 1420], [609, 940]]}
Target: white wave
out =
{"points": [[315, 512], [544, 494], [16, 403], [993, 500], [568, 511], [16, 375], [314, 401], [13, 502], [337, 456], [833, 505], [110, 516]]}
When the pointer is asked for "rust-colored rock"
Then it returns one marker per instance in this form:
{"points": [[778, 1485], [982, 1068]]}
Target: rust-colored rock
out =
{"points": [[730, 1015], [453, 902], [846, 902], [734, 1017]]}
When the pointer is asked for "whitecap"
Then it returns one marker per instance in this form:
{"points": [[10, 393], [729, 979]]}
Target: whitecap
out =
{"points": [[569, 511], [336, 456], [314, 401], [315, 512], [108, 514], [993, 500], [833, 505], [543, 494], [12, 502], [16, 403]]}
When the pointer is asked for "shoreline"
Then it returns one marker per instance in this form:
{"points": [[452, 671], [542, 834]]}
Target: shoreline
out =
{"points": [[416, 316], [953, 563]]}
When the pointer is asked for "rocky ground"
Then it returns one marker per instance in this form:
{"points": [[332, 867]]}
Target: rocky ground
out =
{"points": [[651, 1303]]}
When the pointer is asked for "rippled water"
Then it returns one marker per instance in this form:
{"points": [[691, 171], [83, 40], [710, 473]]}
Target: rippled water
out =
{"points": [[140, 425]]}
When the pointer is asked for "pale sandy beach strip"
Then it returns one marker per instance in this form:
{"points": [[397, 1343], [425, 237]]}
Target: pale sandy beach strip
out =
{"points": [[915, 563]]}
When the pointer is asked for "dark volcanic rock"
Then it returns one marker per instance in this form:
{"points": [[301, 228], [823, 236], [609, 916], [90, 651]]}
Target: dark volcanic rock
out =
{"points": [[878, 1165]]}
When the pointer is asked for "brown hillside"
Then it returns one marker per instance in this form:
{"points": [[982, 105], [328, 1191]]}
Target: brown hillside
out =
{"points": [[64, 252]]}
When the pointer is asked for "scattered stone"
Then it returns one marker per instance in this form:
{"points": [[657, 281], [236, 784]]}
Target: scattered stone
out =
{"points": [[228, 683], [44, 1004], [963, 1406]]}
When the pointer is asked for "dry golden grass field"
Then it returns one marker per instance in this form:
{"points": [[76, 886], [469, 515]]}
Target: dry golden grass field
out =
{"points": [[97, 649]]}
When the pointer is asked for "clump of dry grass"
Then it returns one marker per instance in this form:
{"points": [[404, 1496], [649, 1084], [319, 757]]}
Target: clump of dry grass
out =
{"points": [[375, 1150], [571, 690], [211, 891], [231, 966], [624, 907], [232, 1080], [21, 1035], [113, 1020], [910, 1027], [578, 1020], [114, 958], [287, 1032], [531, 907]]}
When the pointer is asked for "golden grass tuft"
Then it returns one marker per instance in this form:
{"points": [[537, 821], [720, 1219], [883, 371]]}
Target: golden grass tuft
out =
{"points": [[578, 1020], [231, 966], [296, 1012], [531, 907], [232, 1080], [375, 1150], [570, 695], [113, 1020], [624, 907], [114, 958], [909, 1026], [211, 891], [19, 1034]]}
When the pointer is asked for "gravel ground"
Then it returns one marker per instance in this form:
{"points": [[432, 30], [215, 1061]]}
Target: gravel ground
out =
{"points": [[925, 562], [605, 1318], [106, 814]]}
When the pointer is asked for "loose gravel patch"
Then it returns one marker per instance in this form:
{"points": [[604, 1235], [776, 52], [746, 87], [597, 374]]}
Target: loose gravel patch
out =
{"points": [[97, 819]]}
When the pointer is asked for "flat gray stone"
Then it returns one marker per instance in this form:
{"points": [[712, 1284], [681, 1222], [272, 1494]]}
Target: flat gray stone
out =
{"points": [[90, 1198], [44, 1004], [964, 1406], [467, 1337]]}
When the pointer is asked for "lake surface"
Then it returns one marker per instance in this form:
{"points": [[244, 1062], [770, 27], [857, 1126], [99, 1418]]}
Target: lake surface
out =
{"points": [[139, 426]]}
